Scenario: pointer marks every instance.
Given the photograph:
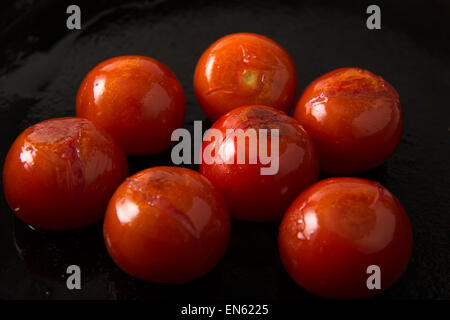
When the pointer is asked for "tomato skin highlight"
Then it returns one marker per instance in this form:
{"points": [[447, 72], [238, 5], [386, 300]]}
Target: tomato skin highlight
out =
{"points": [[60, 173], [244, 69], [354, 118], [250, 195], [166, 225], [136, 99], [338, 227]]}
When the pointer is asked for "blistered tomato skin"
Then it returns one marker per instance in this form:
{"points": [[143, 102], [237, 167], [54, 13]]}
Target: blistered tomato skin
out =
{"points": [[136, 99], [244, 69], [354, 118], [339, 227], [60, 174], [249, 194], [167, 225]]}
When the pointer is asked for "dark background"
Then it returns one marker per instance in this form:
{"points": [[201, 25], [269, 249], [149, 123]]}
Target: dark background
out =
{"points": [[42, 64]]}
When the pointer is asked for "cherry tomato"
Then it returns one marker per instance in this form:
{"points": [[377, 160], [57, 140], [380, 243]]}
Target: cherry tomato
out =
{"points": [[136, 99], [354, 118], [167, 225], [60, 174], [339, 227], [244, 69], [250, 194]]}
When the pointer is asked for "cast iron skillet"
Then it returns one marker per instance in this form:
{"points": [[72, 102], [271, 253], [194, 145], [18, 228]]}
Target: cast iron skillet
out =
{"points": [[42, 64]]}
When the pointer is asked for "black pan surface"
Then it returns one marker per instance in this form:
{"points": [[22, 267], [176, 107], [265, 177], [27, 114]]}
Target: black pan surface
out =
{"points": [[42, 64]]}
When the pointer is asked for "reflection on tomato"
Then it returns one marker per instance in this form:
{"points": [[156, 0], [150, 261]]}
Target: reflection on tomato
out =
{"points": [[59, 174], [354, 118], [251, 195], [339, 227], [244, 69], [166, 225], [137, 99]]}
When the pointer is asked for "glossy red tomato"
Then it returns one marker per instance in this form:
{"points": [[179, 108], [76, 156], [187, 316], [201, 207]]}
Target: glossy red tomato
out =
{"points": [[167, 225], [339, 227], [250, 194], [354, 118], [136, 99], [244, 69], [60, 174]]}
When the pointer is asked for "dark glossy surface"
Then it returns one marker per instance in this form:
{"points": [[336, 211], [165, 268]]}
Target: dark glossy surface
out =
{"points": [[43, 64]]}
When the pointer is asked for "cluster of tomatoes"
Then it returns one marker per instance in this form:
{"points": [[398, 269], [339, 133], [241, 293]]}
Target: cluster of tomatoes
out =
{"points": [[171, 224]]}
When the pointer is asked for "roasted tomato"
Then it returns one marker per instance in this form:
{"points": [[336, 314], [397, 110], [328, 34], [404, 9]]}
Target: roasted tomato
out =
{"points": [[244, 69], [338, 232], [354, 118], [60, 174], [136, 99], [262, 189], [167, 225]]}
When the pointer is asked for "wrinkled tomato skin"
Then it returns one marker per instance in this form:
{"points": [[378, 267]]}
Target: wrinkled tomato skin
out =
{"points": [[136, 99], [167, 225], [244, 69], [354, 118], [339, 227], [60, 174], [250, 195]]}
